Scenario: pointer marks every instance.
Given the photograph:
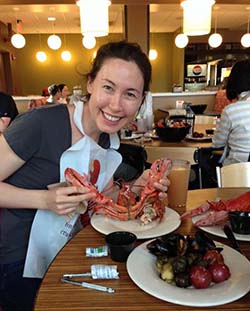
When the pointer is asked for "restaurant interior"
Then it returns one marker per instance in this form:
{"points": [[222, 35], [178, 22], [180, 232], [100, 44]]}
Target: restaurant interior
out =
{"points": [[188, 72], [153, 24]]}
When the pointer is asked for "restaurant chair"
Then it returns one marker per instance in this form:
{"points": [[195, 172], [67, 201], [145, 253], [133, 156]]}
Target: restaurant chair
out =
{"points": [[134, 162], [234, 175], [203, 119], [207, 158]]}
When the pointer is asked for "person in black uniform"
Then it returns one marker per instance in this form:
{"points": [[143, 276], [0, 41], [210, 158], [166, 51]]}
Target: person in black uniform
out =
{"points": [[8, 110]]}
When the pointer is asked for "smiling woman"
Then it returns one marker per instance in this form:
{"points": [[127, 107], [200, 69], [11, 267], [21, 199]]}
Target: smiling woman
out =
{"points": [[84, 137]]}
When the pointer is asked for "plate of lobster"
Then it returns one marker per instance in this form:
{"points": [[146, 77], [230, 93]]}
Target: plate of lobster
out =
{"points": [[213, 215], [170, 222], [218, 231], [143, 270]]}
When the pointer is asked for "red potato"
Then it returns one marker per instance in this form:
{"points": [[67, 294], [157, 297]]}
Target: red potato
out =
{"points": [[200, 277], [220, 272]]}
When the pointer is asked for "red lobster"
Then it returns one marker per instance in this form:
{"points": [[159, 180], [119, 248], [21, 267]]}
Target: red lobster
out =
{"points": [[129, 207], [219, 210]]}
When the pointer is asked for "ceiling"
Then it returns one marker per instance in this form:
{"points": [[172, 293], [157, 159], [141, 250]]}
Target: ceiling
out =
{"points": [[163, 17]]}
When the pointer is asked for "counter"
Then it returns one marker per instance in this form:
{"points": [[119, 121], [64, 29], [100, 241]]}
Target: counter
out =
{"points": [[22, 101], [168, 100]]}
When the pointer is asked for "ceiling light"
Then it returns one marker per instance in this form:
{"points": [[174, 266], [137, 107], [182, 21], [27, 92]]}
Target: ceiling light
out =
{"points": [[94, 17], [181, 40], [51, 19], [18, 40], [197, 17], [245, 39], [66, 56], [215, 39], [41, 56], [153, 54], [89, 42], [54, 42]]}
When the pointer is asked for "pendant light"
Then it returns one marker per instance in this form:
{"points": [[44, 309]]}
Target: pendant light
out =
{"points": [[94, 17], [66, 55], [41, 55], [197, 16], [18, 40], [54, 41], [181, 40], [215, 39], [89, 41], [245, 39], [153, 54]]}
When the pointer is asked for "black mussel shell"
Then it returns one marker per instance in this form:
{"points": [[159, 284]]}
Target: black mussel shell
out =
{"points": [[170, 245], [204, 242]]}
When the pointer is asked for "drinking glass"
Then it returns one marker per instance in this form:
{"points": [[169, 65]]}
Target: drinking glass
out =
{"points": [[179, 179]]}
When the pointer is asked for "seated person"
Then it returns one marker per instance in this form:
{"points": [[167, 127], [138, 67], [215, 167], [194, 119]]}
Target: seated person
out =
{"points": [[54, 95], [8, 110], [233, 130], [64, 93]]}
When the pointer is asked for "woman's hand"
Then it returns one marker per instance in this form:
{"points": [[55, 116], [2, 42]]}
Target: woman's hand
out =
{"points": [[67, 200], [162, 185]]}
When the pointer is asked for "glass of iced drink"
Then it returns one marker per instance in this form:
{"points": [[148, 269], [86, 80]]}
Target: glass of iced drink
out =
{"points": [[179, 179]]}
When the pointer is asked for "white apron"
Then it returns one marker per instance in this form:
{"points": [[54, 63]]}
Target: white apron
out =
{"points": [[49, 231]]}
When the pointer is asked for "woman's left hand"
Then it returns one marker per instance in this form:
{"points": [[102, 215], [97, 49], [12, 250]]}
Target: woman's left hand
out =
{"points": [[161, 185]]}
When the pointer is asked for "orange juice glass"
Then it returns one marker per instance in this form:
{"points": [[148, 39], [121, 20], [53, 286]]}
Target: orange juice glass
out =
{"points": [[179, 179]]}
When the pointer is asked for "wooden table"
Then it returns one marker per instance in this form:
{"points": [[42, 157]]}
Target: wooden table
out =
{"points": [[184, 149], [53, 295]]}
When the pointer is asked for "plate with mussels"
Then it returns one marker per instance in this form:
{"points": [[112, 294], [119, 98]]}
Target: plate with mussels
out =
{"points": [[189, 270]]}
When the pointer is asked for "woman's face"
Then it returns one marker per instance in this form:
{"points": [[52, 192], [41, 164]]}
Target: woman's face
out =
{"points": [[65, 92], [116, 94]]}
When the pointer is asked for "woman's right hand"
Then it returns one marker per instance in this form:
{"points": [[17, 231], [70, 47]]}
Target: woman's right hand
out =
{"points": [[67, 200]]}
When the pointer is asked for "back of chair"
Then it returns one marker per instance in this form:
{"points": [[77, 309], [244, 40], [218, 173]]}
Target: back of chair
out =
{"points": [[234, 175], [203, 119]]}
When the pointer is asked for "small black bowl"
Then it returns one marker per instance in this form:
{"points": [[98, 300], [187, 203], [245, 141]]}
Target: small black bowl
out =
{"points": [[198, 109], [172, 134], [240, 222], [209, 131]]}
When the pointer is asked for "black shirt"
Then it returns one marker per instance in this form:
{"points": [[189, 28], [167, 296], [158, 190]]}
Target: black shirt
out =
{"points": [[7, 106]]}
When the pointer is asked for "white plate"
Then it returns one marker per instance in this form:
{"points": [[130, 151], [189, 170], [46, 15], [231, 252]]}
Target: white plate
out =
{"points": [[204, 138], [151, 135], [169, 223], [133, 136], [218, 230], [141, 269]]}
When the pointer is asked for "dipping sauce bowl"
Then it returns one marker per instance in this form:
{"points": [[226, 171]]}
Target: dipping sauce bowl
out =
{"points": [[120, 244], [240, 222]]}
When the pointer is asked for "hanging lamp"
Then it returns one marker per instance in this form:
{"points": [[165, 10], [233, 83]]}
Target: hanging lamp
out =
{"points": [[153, 54], [66, 55], [215, 39], [89, 41], [245, 39], [54, 41], [197, 17], [18, 40], [94, 17], [41, 56], [181, 40]]}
